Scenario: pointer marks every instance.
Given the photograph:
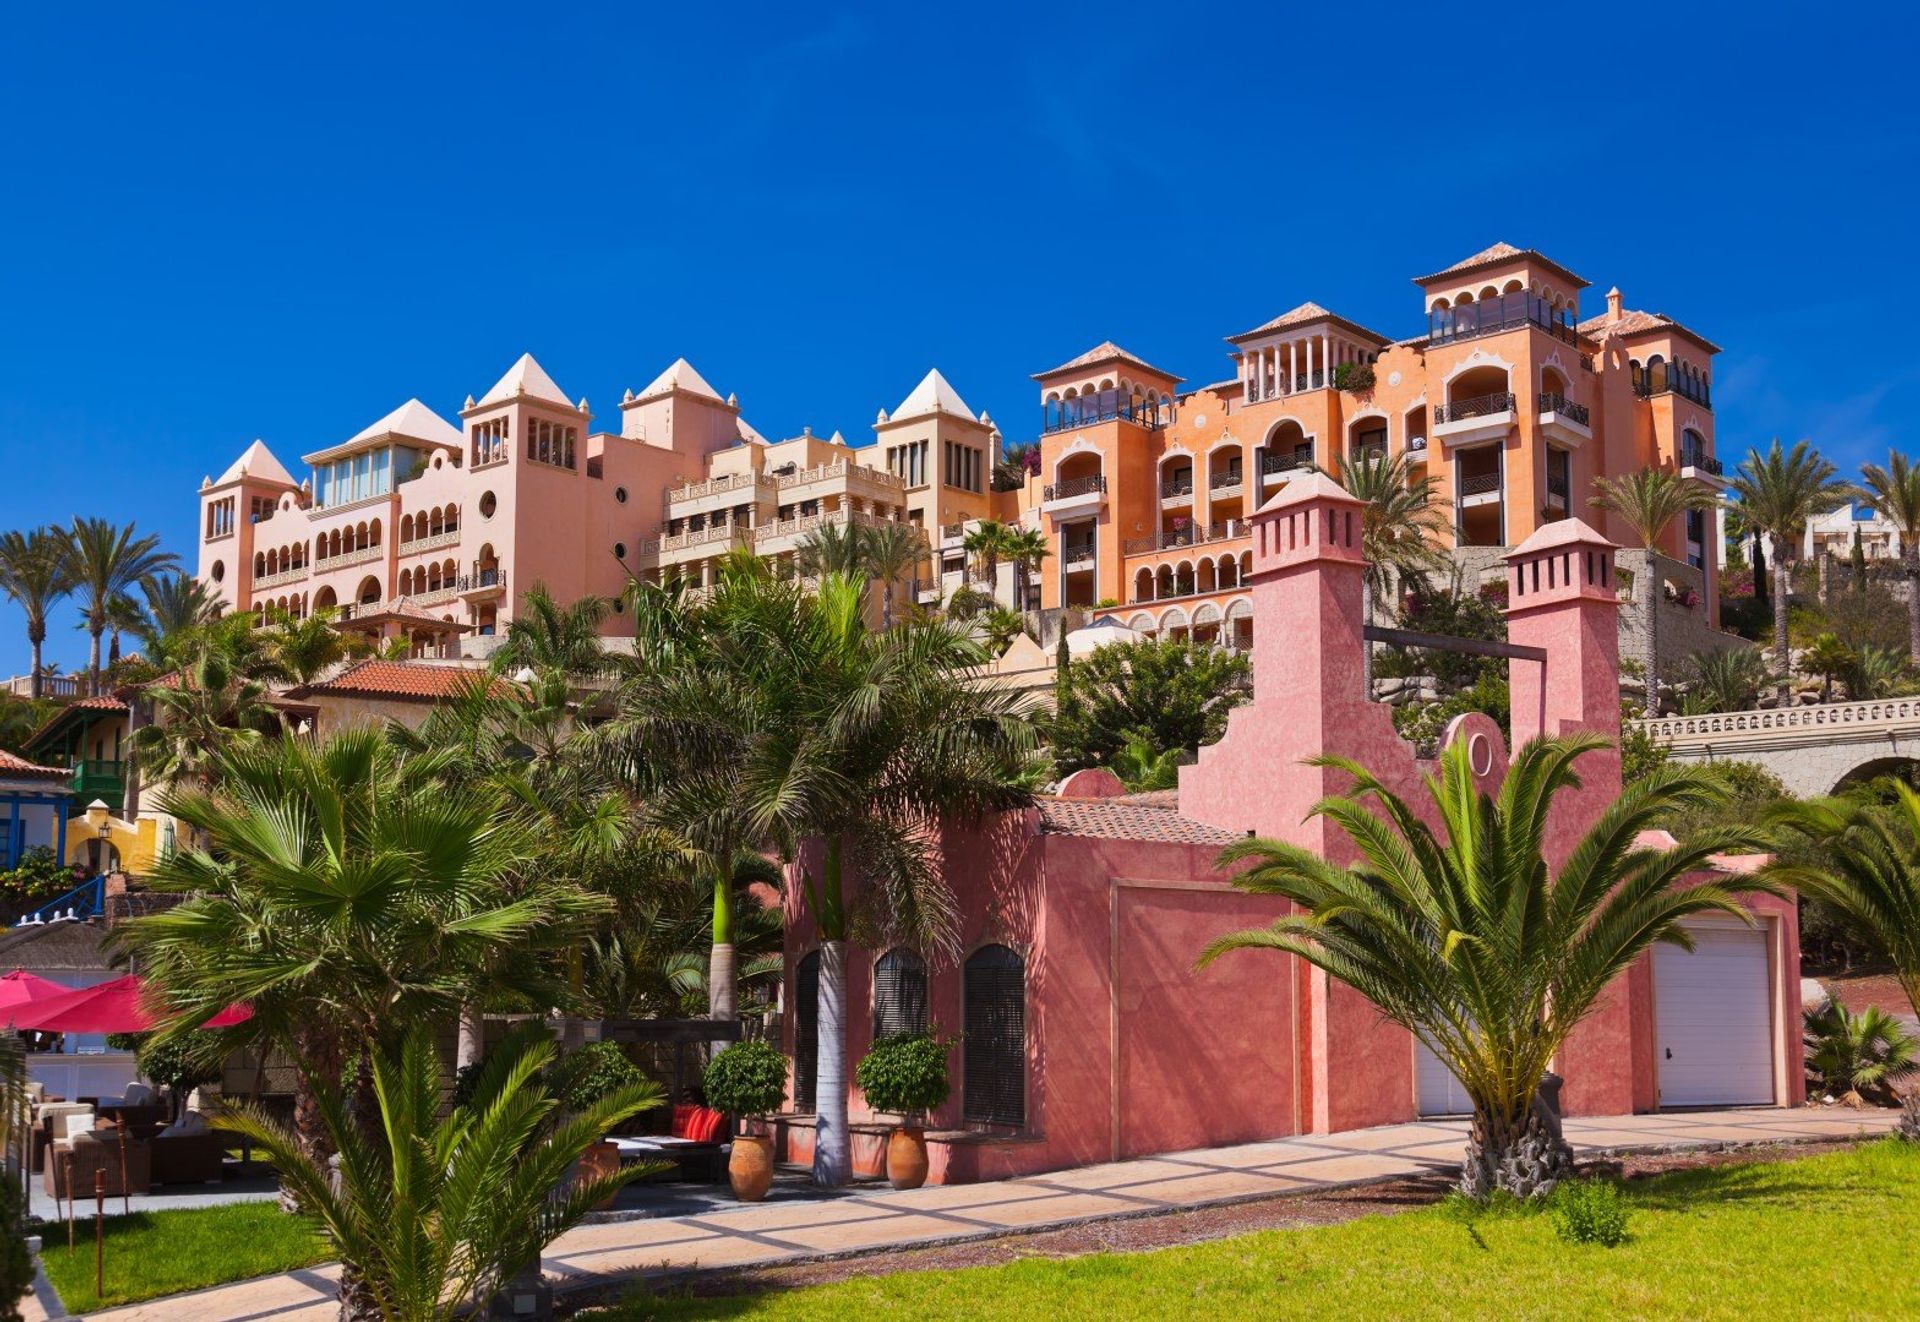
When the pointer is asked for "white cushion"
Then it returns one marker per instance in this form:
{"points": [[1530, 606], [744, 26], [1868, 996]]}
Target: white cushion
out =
{"points": [[72, 1123], [190, 1123], [137, 1094]]}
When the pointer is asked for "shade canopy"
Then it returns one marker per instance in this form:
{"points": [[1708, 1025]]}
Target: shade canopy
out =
{"points": [[21, 987], [107, 1007]]}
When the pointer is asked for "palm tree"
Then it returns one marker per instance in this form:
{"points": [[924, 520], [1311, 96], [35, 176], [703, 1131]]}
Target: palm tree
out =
{"points": [[1855, 1056], [36, 571], [1827, 658], [125, 615], [1725, 679], [1141, 768], [1471, 940], [432, 1216], [833, 548], [109, 562], [347, 895], [1895, 493], [1399, 529], [1875, 672], [893, 551], [1780, 493], [1018, 461], [985, 544], [549, 638], [1864, 864], [303, 649], [1026, 547], [1648, 501], [216, 703], [177, 604]]}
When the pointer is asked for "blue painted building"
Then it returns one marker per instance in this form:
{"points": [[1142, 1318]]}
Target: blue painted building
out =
{"points": [[33, 809]]}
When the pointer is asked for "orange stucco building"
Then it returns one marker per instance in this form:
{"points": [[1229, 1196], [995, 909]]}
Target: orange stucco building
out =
{"points": [[1510, 400]]}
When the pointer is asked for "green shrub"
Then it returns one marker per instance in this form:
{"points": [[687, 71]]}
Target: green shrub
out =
{"points": [[1590, 1212], [581, 1078], [748, 1078], [905, 1074], [16, 1264]]}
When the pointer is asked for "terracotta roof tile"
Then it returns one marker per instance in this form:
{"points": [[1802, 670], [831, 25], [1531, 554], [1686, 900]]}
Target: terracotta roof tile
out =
{"points": [[1498, 253], [1305, 315], [1127, 819], [13, 765], [406, 680], [1635, 322], [1104, 352]]}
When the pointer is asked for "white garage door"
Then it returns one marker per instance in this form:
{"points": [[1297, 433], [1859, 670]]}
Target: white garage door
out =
{"points": [[1715, 1021], [1438, 1092]]}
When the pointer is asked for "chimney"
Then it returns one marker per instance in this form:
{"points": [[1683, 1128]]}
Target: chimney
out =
{"points": [[1613, 305]]}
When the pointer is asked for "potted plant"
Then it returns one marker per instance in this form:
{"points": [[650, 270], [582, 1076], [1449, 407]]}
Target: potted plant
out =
{"points": [[906, 1075], [578, 1080], [745, 1081]]}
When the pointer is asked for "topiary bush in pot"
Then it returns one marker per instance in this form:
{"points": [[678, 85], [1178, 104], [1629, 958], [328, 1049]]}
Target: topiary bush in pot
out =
{"points": [[748, 1079], [906, 1075]]}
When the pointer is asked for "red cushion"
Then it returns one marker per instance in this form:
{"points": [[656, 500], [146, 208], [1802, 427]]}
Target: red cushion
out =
{"points": [[682, 1116], [705, 1126]]}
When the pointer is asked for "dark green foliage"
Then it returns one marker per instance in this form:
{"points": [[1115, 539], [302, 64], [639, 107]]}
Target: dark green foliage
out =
{"points": [[599, 1069], [1170, 693], [39, 878], [1751, 791], [1357, 377], [905, 1074], [748, 1078], [16, 1264], [1851, 1057], [1590, 1212], [1424, 727], [1640, 754], [1723, 680], [1459, 614]]}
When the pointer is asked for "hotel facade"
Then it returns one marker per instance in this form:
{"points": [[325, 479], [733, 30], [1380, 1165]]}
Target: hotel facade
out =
{"points": [[1510, 400]]}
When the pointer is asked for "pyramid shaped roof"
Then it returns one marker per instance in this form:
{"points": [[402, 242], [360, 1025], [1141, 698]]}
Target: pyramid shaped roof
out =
{"points": [[415, 421], [1104, 352], [679, 376], [1496, 255], [1305, 315], [526, 377], [257, 461], [933, 395]]}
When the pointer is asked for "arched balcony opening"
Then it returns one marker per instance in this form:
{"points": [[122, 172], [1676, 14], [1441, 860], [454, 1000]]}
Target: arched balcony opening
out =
{"points": [[1082, 473], [1286, 450], [1204, 579], [369, 591], [1367, 436], [1163, 582], [1143, 585]]}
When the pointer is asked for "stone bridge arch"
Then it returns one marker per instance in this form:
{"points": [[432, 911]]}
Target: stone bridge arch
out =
{"points": [[1813, 750]]}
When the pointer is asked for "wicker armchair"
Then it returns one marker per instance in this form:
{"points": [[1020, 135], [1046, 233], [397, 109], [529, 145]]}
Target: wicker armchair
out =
{"points": [[72, 1165]]}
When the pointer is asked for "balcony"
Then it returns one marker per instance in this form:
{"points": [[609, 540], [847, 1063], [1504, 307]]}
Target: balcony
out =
{"points": [[1475, 418], [94, 778], [1104, 406], [1078, 555], [719, 486], [1662, 382], [1177, 490], [1493, 316], [1564, 421], [1696, 463], [482, 583], [1476, 489], [1272, 465], [347, 559], [431, 542], [841, 468], [1416, 449], [1228, 483], [1074, 493], [1226, 530], [1558, 489], [280, 578]]}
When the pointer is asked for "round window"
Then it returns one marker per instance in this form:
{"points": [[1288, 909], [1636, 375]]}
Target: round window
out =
{"points": [[620, 494], [488, 505], [619, 605], [619, 550], [219, 571]]}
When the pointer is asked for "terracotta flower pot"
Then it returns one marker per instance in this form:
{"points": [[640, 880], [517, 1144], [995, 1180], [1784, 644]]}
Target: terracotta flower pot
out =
{"points": [[598, 1162], [907, 1157], [750, 1167]]}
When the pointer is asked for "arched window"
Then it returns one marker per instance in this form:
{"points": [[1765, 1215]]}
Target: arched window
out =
{"points": [[995, 1038], [806, 1031], [899, 994]]}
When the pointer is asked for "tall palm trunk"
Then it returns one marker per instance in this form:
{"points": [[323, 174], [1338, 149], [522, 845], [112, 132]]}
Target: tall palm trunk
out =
{"points": [[1650, 657], [1782, 654], [472, 1040], [94, 630], [1911, 554], [723, 1001], [37, 636], [1524, 1156], [319, 1050], [832, 1145]]}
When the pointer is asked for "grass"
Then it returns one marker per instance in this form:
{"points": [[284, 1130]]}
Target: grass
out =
{"points": [[156, 1253], [1830, 1234]]}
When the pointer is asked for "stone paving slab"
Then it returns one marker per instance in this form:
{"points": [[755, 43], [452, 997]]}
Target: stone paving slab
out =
{"points": [[865, 1221]]}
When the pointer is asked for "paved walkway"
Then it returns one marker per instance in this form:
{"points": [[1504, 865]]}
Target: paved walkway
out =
{"points": [[787, 1231]]}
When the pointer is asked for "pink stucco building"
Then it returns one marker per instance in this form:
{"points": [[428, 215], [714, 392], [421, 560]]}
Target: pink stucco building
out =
{"points": [[1087, 1035]]}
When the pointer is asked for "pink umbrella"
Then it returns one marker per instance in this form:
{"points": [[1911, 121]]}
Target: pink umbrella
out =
{"points": [[107, 1007], [19, 987]]}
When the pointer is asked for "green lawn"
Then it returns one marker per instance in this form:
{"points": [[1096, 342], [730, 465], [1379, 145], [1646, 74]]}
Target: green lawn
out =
{"points": [[1830, 1236], [155, 1253]]}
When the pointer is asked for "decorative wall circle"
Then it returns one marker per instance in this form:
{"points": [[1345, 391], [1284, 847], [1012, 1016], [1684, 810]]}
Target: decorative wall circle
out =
{"points": [[1479, 754], [488, 504], [1393, 378]]}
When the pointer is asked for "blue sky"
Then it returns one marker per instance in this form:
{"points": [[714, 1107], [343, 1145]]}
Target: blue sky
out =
{"points": [[282, 221]]}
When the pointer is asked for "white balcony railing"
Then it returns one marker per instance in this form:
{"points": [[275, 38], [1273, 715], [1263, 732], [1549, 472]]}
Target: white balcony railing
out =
{"points": [[346, 559], [432, 542], [281, 578]]}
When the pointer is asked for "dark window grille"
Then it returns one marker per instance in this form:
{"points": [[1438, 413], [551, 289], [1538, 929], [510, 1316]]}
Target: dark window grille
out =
{"points": [[806, 1032], [995, 1042], [899, 994]]}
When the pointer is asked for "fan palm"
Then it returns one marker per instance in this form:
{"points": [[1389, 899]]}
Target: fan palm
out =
{"points": [[1399, 529], [1780, 493], [304, 648], [1857, 1056], [216, 702], [1470, 939], [1864, 864], [177, 604], [347, 893], [1895, 493], [109, 561], [1876, 672], [1141, 768], [432, 1216], [549, 638], [1725, 679], [1026, 547], [1648, 501], [36, 571], [1828, 657]]}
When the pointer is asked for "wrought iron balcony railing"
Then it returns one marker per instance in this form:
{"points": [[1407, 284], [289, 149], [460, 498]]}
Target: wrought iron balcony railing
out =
{"points": [[1474, 406], [1075, 486], [1555, 402]]}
